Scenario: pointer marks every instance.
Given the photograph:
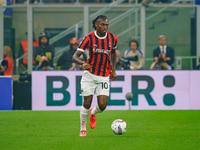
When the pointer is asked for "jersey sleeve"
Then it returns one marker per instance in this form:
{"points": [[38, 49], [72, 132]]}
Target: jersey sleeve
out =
{"points": [[84, 44], [115, 42]]}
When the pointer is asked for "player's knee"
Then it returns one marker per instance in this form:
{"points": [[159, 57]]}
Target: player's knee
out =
{"points": [[87, 104], [102, 107]]}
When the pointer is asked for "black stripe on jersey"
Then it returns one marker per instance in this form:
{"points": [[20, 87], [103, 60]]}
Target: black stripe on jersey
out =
{"points": [[104, 68], [101, 58], [112, 39], [91, 48], [96, 55], [86, 45]]}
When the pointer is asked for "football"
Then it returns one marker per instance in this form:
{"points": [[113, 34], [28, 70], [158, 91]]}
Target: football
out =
{"points": [[119, 126]]}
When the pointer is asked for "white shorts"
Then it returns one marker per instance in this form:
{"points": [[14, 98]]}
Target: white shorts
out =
{"points": [[91, 84]]}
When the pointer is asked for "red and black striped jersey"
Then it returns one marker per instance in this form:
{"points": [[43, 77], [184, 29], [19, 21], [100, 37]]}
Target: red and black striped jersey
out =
{"points": [[99, 52]]}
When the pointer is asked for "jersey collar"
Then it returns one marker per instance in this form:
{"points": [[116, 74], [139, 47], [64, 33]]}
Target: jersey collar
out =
{"points": [[95, 32]]}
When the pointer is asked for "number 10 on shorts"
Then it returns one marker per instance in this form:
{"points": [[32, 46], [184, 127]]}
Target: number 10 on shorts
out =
{"points": [[104, 85]]}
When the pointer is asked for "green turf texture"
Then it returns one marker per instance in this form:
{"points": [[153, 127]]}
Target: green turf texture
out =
{"points": [[59, 130]]}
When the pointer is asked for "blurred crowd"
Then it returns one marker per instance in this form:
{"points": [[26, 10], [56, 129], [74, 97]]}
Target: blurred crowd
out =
{"points": [[64, 1], [88, 1], [43, 56]]}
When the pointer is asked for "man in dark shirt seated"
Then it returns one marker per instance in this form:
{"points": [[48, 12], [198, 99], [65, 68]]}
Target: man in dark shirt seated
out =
{"points": [[65, 60], [44, 49]]}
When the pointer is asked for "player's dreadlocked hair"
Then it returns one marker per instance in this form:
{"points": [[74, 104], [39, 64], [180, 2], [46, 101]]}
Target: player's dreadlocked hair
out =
{"points": [[95, 20]]}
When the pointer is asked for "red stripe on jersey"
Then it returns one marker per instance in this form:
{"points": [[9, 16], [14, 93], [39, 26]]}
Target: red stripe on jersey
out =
{"points": [[97, 61]]}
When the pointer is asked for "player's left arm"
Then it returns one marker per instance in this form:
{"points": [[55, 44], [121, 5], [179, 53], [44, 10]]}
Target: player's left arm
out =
{"points": [[113, 74]]}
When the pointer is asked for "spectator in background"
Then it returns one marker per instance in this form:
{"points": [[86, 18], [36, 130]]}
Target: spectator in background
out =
{"points": [[198, 67], [119, 64], [25, 1], [44, 49], [24, 50], [43, 64], [6, 67], [136, 54], [65, 61], [163, 53]]}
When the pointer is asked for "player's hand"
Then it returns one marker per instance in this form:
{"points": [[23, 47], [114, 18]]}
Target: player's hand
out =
{"points": [[87, 66], [113, 75]]}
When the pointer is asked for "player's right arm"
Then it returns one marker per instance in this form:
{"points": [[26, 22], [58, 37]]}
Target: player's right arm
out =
{"points": [[84, 44], [78, 61], [76, 58]]}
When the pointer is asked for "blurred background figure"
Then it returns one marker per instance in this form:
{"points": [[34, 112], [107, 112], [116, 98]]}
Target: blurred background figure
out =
{"points": [[43, 64], [23, 50], [44, 49], [119, 64], [65, 61], [6, 65], [136, 54], [163, 53]]}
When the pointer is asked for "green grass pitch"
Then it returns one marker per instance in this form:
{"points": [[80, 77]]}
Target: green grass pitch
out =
{"points": [[59, 130]]}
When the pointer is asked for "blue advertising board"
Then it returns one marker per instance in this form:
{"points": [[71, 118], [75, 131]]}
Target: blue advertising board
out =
{"points": [[5, 93]]}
